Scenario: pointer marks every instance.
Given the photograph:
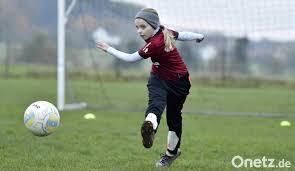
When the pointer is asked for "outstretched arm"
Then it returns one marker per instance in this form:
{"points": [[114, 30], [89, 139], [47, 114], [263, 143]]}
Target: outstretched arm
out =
{"points": [[118, 54], [187, 36]]}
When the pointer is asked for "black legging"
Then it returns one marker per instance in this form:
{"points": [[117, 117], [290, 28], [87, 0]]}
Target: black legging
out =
{"points": [[170, 93]]}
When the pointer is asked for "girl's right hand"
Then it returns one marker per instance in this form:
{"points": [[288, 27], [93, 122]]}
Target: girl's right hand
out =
{"points": [[102, 45]]}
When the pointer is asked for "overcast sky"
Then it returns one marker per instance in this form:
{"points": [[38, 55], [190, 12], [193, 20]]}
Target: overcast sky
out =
{"points": [[273, 19]]}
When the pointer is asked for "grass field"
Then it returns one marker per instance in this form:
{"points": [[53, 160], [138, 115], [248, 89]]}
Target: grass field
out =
{"points": [[113, 142]]}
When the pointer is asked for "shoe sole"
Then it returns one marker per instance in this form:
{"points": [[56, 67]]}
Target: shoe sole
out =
{"points": [[147, 132]]}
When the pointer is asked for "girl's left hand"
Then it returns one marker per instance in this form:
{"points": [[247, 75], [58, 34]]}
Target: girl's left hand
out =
{"points": [[199, 40], [102, 45]]}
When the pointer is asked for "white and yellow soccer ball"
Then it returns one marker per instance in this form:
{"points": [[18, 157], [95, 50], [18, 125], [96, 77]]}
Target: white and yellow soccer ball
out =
{"points": [[41, 118]]}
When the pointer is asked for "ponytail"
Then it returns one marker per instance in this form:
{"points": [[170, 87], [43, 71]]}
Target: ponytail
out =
{"points": [[169, 40]]}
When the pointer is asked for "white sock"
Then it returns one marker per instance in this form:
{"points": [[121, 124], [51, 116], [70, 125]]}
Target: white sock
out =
{"points": [[169, 154], [172, 140], [153, 119]]}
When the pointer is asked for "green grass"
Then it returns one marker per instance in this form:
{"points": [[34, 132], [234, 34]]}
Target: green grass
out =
{"points": [[133, 95], [113, 142]]}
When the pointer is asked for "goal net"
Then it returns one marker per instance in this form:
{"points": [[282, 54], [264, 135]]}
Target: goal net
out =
{"points": [[243, 38]]}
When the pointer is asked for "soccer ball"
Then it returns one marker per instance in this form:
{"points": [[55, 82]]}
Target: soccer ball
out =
{"points": [[41, 118]]}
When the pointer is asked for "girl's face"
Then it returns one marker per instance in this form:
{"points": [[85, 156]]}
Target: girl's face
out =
{"points": [[144, 30]]}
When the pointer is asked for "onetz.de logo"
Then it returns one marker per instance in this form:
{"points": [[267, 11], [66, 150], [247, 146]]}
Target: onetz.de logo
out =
{"points": [[240, 162]]}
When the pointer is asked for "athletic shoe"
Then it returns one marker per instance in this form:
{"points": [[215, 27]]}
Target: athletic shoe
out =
{"points": [[166, 161], [147, 133]]}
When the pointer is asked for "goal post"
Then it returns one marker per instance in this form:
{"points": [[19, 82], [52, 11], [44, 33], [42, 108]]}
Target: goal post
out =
{"points": [[61, 55]]}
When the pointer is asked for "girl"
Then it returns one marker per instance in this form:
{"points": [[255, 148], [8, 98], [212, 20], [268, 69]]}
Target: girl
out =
{"points": [[168, 84]]}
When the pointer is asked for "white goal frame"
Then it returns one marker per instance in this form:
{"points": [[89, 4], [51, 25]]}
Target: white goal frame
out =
{"points": [[61, 69]]}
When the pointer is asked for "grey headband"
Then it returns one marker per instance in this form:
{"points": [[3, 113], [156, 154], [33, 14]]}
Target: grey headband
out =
{"points": [[149, 17]]}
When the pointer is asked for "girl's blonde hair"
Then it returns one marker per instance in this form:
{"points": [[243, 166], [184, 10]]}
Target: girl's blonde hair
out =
{"points": [[169, 40], [168, 36]]}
